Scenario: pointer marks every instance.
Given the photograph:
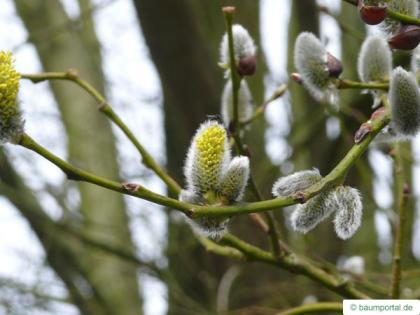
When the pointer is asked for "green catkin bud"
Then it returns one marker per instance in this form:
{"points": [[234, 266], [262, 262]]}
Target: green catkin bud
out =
{"points": [[207, 158], [11, 124], [311, 59], [375, 59], [235, 179], [243, 45], [349, 211], [307, 216], [404, 98], [245, 103], [407, 7], [291, 184]]}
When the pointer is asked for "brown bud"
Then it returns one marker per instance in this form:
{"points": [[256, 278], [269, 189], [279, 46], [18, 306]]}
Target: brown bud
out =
{"points": [[296, 77], [130, 187], [371, 14], [377, 114], [335, 67], [360, 134], [229, 10], [247, 65], [406, 38], [72, 73]]}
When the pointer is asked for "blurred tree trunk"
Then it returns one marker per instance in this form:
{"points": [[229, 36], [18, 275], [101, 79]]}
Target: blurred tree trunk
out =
{"points": [[183, 38], [91, 146]]}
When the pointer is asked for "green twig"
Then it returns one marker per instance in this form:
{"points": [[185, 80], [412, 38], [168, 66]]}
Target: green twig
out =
{"points": [[348, 84], [315, 308], [236, 83], [106, 108], [296, 264], [75, 173], [394, 291], [279, 92]]}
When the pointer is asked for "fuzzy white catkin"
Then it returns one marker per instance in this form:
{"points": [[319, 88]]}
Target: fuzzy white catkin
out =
{"points": [[375, 59], [243, 45], [190, 197], [404, 97], [354, 265], [291, 184], [348, 217], [307, 216], [406, 7], [207, 158], [210, 227], [310, 59], [235, 180], [415, 60], [245, 102]]}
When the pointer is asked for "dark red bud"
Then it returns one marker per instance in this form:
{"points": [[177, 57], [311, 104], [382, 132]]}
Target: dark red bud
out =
{"points": [[296, 77], [371, 14], [335, 67], [378, 113], [364, 130], [247, 65], [406, 38]]}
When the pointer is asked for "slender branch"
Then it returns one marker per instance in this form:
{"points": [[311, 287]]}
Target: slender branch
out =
{"points": [[196, 211], [236, 83], [394, 292], [106, 108], [279, 92], [315, 308], [405, 19], [75, 173], [348, 84], [296, 264]]}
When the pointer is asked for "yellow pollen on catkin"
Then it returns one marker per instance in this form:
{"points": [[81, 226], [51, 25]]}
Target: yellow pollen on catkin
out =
{"points": [[11, 125], [210, 147], [9, 81]]}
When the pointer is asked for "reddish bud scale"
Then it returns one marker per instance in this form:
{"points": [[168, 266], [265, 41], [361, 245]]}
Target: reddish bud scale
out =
{"points": [[371, 14], [363, 131], [378, 113], [406, 38], [335, 67], [247, 65], [296, 77]]}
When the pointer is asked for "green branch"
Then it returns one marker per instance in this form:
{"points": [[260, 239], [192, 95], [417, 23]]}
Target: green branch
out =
{"points": [[348, 84], [75, 173], [296, 264], [106, 108], [279, 92], [315, 308], [236, 83], [394, 291]]}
